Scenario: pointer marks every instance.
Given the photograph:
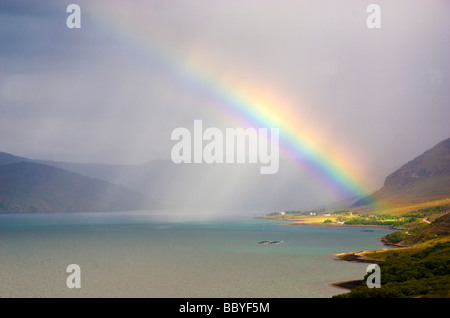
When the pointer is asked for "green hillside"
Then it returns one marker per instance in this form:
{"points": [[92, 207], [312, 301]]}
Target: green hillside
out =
{"points": [[422, 274]]}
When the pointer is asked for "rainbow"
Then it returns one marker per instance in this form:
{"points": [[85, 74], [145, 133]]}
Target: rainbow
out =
{"points": [[250, 106]]}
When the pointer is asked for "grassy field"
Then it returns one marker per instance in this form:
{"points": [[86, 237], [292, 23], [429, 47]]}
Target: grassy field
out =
{"points": [[381, 255], [383, 214]]}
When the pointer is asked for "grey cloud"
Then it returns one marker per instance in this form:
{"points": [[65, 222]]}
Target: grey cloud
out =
{"points": [[384, 92]]}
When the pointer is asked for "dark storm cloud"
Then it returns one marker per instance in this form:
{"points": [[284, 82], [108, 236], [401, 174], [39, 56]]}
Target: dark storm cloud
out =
{"points": [[29, 28], [34, 35], [30, 7]]}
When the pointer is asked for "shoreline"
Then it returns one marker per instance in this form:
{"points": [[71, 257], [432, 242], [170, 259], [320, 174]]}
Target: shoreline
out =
{"points": [[353, 257], [350, 284], [356, 257], [359, 257], [303, 223]]}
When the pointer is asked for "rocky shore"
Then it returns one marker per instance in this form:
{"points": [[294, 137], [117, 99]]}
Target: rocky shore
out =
{"points": [[355, 257], [349, 285], [360, 257]]}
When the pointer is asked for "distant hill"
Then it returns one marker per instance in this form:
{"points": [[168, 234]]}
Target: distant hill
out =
{"points": [[173, 186], [6, 158], [169, 186], [425, 178], [32, 187]]}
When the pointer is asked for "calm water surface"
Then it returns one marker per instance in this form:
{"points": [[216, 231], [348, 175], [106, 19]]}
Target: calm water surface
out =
{"points": [[142, 254]]}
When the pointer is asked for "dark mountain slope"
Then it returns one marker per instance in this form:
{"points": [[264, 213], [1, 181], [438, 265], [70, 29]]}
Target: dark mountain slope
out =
{"points": [[425, 178], [6, 159], [31, 187]]}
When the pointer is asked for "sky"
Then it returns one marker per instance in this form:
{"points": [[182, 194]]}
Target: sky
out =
{"points": [[115, 89]]}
